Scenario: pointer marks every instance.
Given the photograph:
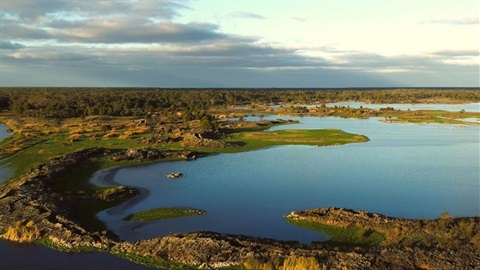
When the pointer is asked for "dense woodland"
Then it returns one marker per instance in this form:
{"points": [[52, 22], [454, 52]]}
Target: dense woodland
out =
{"points": [[194, 103]]}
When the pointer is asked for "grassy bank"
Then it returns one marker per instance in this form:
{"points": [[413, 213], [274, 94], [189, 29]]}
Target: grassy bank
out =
{"points": [[430, 117], [164, 213], [342, 236]]}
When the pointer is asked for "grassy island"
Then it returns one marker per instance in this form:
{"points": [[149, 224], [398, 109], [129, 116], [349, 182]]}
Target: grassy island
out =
{"points": [[164, 213], [317, 137]]}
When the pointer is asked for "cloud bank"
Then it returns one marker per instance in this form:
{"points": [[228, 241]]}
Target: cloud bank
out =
{"points": [[140, 43]]}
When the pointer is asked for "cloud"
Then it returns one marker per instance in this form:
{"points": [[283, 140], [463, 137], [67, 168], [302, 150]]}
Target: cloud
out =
{"points": [[9, 45], [124, 32], [37, 10], [139, 43], [142, 21], [456, 53], [464, 21], [299, 19], [247, 15]]}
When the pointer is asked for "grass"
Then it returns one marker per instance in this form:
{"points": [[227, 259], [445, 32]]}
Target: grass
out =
{"points": [[35, 141], [343, 236], [164, 213], [150, 261], [252, 140], [432, 116]]}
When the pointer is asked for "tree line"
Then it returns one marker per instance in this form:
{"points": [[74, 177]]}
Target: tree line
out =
{"points": [[194, 103]]}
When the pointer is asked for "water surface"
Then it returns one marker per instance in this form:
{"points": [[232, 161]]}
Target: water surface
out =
{"points": [[405, 170], [29, 257], [468, 107], [5, 173]]}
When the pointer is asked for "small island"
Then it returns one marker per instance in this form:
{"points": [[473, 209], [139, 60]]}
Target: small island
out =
{"points": [[164, 213]]}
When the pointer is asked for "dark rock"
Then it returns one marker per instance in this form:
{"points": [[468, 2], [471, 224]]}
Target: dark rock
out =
{"points": [[198, 140], [151, 154]]}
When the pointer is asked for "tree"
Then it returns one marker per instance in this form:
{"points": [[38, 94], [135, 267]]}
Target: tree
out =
{"points": [[207, 123]]}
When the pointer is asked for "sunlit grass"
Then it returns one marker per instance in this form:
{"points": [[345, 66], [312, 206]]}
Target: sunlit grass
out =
{"points": [[164, 213], [348, 236], [319, 137]]}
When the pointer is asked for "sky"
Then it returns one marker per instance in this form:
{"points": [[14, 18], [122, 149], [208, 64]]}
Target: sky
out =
{"points": [[240, 43]]}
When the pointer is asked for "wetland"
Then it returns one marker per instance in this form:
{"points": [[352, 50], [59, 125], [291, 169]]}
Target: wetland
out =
{"points": [[78, 177]]}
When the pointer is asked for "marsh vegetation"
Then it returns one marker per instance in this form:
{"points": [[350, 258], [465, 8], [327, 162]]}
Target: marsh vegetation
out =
{"points": [[164, 213]]}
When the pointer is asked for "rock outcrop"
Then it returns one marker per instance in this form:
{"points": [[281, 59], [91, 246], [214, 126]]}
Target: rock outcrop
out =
{"points": [[31, 209], [141, 154], [198, 140], [174, 175]]}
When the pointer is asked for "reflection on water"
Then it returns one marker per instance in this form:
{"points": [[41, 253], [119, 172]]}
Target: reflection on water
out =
{"points": [[29, 257], [5, 173], [405, 170], [4, 132], [469, 107]]}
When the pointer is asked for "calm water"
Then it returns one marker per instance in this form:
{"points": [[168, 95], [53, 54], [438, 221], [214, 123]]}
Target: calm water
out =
{"points": [[469, 107], [405, 170], [32, 257], [5, 173]]}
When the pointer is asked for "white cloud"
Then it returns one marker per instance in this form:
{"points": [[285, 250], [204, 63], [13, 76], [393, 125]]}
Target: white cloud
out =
{"points": [[9, 45], [247, 15], [456, 21]]}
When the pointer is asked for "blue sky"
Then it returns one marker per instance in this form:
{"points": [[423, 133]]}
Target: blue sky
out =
{"points": [[240, 43]]}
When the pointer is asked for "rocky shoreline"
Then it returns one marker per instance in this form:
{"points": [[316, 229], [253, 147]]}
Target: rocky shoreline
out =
{"points": [[31, 210]]}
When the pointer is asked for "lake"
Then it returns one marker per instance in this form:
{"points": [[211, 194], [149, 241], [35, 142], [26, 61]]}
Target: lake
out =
{"points": [[405, 170], [468, 107]]}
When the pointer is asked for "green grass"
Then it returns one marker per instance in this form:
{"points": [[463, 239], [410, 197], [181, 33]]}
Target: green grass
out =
{"points": [[150, 261], [39, 151], [343, 236], [432, 116], [252, 140], [164, 213]]}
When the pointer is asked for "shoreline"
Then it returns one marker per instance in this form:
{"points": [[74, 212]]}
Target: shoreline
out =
{"points": [[108, 179], [210, 249]]}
